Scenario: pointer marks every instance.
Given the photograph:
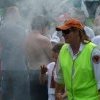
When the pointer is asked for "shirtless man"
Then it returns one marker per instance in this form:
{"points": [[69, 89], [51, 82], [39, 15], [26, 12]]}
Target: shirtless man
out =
{"points": [[38, 52]]}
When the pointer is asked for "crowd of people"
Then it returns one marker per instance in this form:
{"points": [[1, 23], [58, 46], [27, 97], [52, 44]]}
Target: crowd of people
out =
{"points": [[34, 66]]}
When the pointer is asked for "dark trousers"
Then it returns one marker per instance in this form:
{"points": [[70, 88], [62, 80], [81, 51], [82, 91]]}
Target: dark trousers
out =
{"points": [[15, 85], [38, 91]]}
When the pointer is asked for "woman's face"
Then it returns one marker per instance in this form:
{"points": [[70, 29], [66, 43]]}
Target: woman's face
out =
{"points": [[70, 35]]}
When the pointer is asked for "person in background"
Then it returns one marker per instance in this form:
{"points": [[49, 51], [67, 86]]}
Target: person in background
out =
{"points": [[96, 26], [38, 51], [96, 40], [91, 6], [0, 69], [58, 38], [54, 39], [77, 60], [97, 11], [49, 70], [90, 32], [57, 35], [15, 77]]}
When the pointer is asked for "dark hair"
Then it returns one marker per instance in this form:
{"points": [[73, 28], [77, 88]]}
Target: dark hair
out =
{"points": [[83, 36], [40, 22], [57, 47]]}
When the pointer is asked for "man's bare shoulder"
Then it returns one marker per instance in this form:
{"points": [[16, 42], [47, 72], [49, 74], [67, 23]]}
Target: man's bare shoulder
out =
{"points": [[44, 41], [44, 38]]}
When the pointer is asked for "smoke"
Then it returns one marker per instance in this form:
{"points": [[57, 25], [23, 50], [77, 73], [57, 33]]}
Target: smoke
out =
{"points": [[51, 9], [15, 26], [27, 9], [12, 35]]}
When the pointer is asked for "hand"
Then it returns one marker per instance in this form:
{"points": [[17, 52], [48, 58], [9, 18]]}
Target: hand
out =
{"points": [[59, 96], [43, 69]]}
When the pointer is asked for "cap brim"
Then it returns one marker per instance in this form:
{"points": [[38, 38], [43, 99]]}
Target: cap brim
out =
{"points": [[61, 28]]}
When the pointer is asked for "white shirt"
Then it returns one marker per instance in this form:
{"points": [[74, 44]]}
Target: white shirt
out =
{"points": [[89, 32], [50, 68]]}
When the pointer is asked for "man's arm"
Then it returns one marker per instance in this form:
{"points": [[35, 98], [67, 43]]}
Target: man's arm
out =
{"points": [[59, 90], [59, 81]]}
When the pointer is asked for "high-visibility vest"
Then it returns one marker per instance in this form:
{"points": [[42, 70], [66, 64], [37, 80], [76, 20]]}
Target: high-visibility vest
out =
{"points": [[78, 74]]}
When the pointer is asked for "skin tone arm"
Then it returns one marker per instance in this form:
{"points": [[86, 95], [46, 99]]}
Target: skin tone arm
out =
{"points": [[61, 96], [64, 95], [59, 88]]}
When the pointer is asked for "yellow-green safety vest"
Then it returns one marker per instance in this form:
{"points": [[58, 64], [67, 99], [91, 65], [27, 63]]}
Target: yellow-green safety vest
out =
{"points": [[78, 74]]}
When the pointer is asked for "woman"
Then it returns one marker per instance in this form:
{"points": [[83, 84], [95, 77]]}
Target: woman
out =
{"points": [[77, 60]]}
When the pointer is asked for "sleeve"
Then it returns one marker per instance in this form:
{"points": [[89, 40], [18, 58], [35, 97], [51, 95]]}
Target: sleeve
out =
{"points": [[48, 68], [59, 74], [96, 65]]}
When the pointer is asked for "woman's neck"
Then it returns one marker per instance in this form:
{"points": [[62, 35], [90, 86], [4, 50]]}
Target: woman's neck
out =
{"points": [[75, 47]]}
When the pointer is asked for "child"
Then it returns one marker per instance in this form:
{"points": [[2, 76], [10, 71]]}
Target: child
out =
{"points": [[49, 70]]}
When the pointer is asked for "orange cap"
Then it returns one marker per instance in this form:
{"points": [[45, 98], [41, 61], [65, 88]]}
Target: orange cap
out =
{"points": [[70, 23]]}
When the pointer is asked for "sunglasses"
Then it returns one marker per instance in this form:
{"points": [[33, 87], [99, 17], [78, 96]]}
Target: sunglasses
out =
{"points": [[65, 32], [68, 31]]}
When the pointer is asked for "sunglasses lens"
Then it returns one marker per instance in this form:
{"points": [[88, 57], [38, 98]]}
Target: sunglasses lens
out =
{"points": [[66, 32]]}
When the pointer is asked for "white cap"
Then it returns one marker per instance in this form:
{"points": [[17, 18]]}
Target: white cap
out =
{"points": [[55, 38], [89, 32], [96, 40]]}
